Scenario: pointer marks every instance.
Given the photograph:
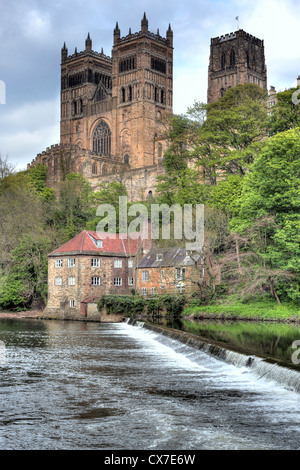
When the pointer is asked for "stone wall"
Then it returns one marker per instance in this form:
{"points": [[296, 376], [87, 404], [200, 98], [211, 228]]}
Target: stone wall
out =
{"points": [[235, 58], [60, 296]]}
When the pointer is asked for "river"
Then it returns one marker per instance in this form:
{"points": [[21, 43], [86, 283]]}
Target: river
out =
{"points": [[77, 385]]}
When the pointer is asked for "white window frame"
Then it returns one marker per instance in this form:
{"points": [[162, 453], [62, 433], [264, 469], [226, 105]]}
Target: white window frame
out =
{"points": [[71, 262], [59, 263], [153, 289], [159, 257], [144, 291], [96, 281], [130, 281], [145, 275], [130, 263], [117, 281], [162, 274], [72, 303], [99, 243], [71, 281], [117, 263], [180, 274], [57, 282], [95, 262]]}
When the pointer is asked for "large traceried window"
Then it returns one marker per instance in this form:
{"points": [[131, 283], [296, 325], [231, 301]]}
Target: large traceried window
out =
{"points": [[102, 139]]}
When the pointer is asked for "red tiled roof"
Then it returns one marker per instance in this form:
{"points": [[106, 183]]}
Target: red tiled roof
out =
{"points": [[112, 243]]}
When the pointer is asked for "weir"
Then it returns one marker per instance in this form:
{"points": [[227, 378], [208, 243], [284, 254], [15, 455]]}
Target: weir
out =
{"points": [[261, 367]]}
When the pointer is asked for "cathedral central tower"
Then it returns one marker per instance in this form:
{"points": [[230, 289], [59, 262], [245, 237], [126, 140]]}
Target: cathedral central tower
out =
{"points": [[235, 58]]}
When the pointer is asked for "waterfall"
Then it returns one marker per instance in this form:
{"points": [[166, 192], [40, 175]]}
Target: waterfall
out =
{"points": [[259, 366]]}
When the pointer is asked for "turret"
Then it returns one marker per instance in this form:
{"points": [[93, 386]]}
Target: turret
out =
{"points": [[64, 53], [117, 33], [144, 24], [88, 43], [170, 36]]}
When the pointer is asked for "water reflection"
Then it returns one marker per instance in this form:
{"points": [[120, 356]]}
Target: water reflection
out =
{"points": [[264, 339]]}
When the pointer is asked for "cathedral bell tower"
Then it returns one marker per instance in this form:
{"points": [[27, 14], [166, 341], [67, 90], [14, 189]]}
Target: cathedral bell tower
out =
{"points": [[235, 58], [142, 77]]}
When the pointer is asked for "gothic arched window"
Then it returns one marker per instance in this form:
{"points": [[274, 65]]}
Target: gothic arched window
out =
{"points": [[102, 139], [123, 95], [232, 58], [223, 61], [247, 59], [126, 158], [159, 150], [94, 169], [222, 91]]}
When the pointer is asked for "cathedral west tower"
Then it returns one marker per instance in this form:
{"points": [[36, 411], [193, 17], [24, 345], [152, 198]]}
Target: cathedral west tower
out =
{"points": [[111, 106]]}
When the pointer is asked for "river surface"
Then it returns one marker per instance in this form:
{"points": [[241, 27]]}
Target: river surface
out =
{"points": [[77, 385]]}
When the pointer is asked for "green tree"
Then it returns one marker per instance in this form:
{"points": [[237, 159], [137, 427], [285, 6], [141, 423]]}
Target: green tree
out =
{"points": [[285, 114], [109, 193], [233, 132], [271, 192], [180, 182], [74, 207]]}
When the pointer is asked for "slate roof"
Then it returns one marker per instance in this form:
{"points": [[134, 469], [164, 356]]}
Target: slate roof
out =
{"points": [[84, 243], [170, 257]]}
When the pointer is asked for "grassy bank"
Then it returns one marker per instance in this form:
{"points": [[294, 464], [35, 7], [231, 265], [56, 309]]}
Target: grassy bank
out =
{"points": [[259, 310]]}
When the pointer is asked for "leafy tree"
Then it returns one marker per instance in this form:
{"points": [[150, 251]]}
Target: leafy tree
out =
{"points": [[233, 132], [6, 168], [285, 114], [271, 192], [13, 295], [74, 209], [109, 193], [180, 182]]}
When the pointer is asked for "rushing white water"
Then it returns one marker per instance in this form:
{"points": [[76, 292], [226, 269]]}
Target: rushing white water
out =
{"points": [[119, 386]]}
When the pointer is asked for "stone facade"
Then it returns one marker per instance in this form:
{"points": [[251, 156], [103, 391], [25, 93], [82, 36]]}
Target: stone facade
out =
{"points": [[235, 58], [76, 285], [91, 265], [168, 271], [112, 110]]}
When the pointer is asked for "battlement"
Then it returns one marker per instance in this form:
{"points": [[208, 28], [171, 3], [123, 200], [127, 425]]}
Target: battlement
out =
{"points": [[237, 34], [134, 36], [167, 41], [77, 55]]}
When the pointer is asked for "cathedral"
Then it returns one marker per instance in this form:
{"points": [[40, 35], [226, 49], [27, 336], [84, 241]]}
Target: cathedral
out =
{"points": [[113, 108]]}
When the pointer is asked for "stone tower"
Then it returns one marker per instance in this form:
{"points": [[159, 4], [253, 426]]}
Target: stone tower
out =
{"points": [[111, 105], [142, 75], [235, 58]]}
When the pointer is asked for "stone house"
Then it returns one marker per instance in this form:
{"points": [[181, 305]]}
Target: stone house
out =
{"points": [[168, 270], [88, 266]]}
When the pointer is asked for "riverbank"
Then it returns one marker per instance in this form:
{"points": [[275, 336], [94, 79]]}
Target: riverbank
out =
{"points": [[255, 311], [17, 315]]}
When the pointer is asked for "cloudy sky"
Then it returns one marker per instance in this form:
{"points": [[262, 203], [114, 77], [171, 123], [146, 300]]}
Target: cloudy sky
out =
{"points": [[32, 33]]}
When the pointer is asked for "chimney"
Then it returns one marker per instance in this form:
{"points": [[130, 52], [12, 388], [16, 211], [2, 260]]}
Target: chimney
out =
{"points": [[298, 81]]}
